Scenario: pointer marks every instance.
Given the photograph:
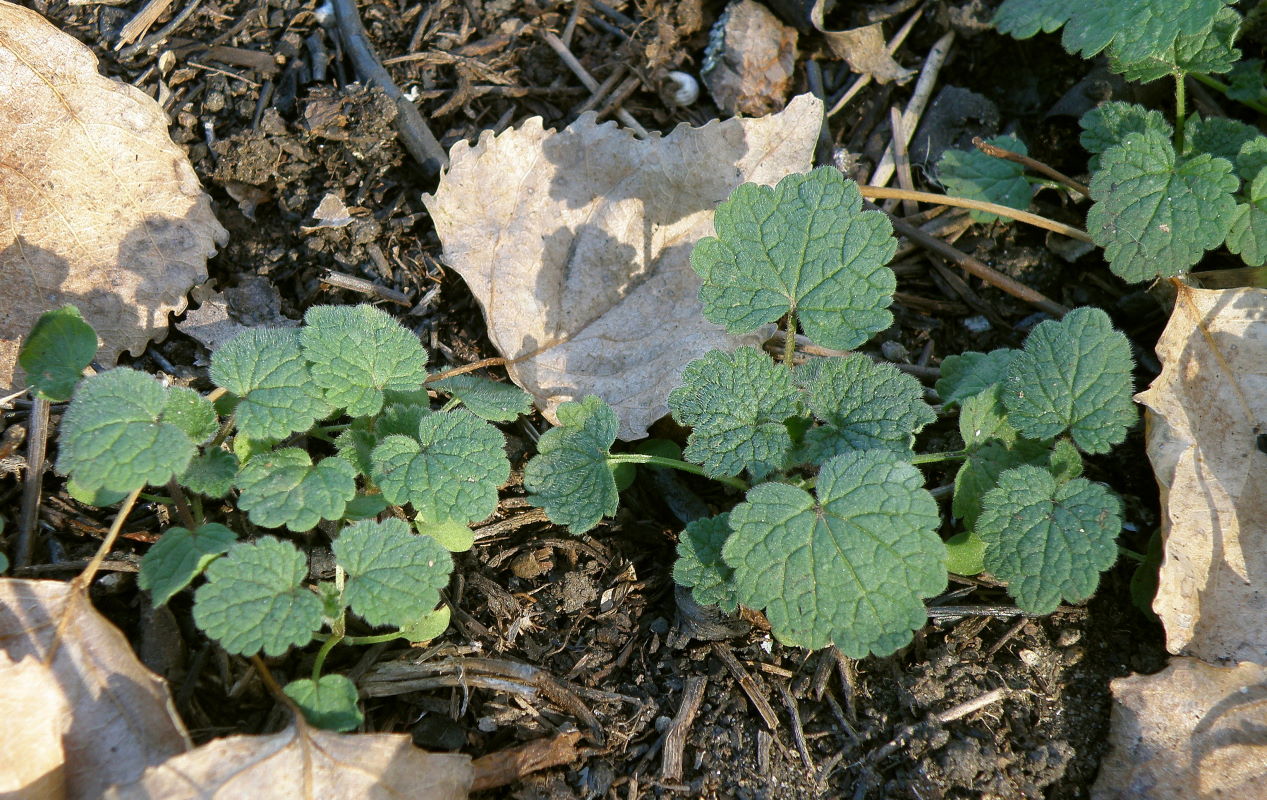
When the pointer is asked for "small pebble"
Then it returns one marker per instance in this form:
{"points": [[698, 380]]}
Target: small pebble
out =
{"points": [[977, 324]]}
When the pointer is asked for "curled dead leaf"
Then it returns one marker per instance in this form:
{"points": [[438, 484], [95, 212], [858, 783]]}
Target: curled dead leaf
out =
{"points": [[97, 206], [122, 719], [864, 49], [577, 245], [1207, 411]]}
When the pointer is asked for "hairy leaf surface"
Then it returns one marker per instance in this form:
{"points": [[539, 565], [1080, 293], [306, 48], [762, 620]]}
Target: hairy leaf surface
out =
{"points": [[700, 566], [1073, 375], [113, 435], [1155, 213], [735, 404], [569, 478], [449, 469], [850, 568], [1049, 541], [357, 352], [491, 400], [285, 489], [394, 576], [265, 368], [862, 405], [804, 246], [254, 599], [971, 373], [1248, 236]]}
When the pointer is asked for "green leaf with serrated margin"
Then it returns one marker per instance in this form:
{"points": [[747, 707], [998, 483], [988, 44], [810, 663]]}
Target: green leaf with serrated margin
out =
{"points": [[983, 418], [1155, 213], [977, 176], [1136, 30], [1065, 462], [862, 405], [56, 351], [450, 469], [328, 702], [805, 246], [455, 537], [191, 412], [357, 352], [735, 404], [429, 627], [491, 400], [254, 599], [211, 473], [971, 373], [266, 369], [113, 435], [179, 556], [1218, 136], [1248, 235], [851, 568], [1207, 51], [1049, 541], [394, 576], [284, 489], [700, 566], [1022, 19], [980, 473], [1108, 124], [569, 478], [1073, 375]]}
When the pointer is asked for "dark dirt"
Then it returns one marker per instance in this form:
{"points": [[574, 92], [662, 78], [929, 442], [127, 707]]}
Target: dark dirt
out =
{"points": [[598, 612]]}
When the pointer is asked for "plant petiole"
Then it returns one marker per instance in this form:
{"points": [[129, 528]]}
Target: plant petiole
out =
{"points": [[673, 463]]}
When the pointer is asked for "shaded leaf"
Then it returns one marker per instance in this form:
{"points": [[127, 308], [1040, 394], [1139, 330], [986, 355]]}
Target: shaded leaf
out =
{"points": [[179, 556], [700, 566], [977, 176], [490, 400], [56, 352], [328, 702], [569, 478]]}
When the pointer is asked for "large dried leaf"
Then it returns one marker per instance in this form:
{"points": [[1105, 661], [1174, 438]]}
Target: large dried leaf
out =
{"points": [[1193, 731], [123, 720], [97, 206], [31, 752], [577, 245], [303, 762], [1208, 409]]}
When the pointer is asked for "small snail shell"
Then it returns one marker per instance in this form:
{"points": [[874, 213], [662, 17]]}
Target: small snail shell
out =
{"points": [[682, 88]]}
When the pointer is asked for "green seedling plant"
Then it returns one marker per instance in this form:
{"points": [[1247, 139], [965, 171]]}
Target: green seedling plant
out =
{"points": [[833, 533], [1162, 194], [329, 424]]}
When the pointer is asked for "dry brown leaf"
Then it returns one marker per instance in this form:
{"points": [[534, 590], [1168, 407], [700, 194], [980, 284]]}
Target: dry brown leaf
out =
{"points": [[303, 762], [123, 720], [749, 67], [577, 245], [1192, 731], [864, 49], [31, 752], [1207, 410], [97, 206]]}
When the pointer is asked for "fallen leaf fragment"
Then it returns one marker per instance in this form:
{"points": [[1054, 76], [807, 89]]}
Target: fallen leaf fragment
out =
{"points": [[122, 717], [864, 49], [97, 206], [1192, 731], [577, 245], [1207, 411], [31, 752], [750, 60], [304, 762]]}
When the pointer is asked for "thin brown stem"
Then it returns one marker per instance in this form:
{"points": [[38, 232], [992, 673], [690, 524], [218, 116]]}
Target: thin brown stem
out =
{"points": [[885, 193], [1030, 163]]}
